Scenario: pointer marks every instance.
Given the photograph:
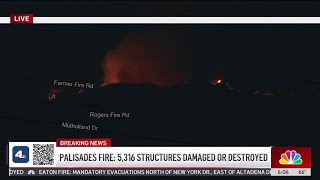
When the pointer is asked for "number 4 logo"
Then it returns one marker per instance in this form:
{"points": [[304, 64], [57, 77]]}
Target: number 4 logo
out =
{"points": [[20, 154]]}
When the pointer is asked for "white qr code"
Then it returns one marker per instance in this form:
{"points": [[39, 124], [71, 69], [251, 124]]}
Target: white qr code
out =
{"points": [[43, 154]]}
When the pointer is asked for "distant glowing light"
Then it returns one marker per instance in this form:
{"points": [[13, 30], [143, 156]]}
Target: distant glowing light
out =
{"points": [[52, 94], [216, 81]]}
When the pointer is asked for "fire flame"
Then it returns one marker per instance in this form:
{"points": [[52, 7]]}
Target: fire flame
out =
{"points": [[144, 59]]}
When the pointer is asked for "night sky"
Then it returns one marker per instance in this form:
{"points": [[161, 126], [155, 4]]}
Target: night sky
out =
{"points": [[248, 56]]}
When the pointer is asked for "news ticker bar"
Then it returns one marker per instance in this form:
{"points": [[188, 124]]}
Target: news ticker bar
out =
{"points": [[30, 19], [157, 172], [97, 153]]}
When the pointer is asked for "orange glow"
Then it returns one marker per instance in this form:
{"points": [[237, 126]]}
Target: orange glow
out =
{"points": [[144, 59], [216, 81]]}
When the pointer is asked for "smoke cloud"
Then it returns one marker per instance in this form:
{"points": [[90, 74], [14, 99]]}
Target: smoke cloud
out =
{"points": [[147, 58]]}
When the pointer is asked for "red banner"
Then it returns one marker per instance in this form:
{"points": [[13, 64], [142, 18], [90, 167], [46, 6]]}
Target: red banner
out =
{"points": [[291, 157], [83, 142], [21, 19]]}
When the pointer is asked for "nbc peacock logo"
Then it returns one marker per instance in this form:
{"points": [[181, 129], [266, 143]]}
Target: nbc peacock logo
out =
{"points": [[290, 158]]}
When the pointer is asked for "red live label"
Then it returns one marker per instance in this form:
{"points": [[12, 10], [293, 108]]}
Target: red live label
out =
{"points": [[21, 19]]}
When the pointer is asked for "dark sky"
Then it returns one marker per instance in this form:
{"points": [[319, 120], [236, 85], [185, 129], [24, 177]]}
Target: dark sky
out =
{"points": [[248, 56], [251, 56]]}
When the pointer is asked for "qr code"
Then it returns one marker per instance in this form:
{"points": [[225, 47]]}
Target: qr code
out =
{"points": [[43, 154]]}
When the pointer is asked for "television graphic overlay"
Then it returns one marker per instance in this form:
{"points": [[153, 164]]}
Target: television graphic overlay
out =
{"points": [[20, 154], [295, 160], [290, 157], [96, 156]]}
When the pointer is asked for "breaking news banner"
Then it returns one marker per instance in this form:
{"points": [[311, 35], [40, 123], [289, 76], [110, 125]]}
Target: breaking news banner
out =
{"points": [[96, 157]]}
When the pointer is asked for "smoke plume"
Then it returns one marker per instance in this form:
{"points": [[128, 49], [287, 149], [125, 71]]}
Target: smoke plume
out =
{"points": [[148, 58]]}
